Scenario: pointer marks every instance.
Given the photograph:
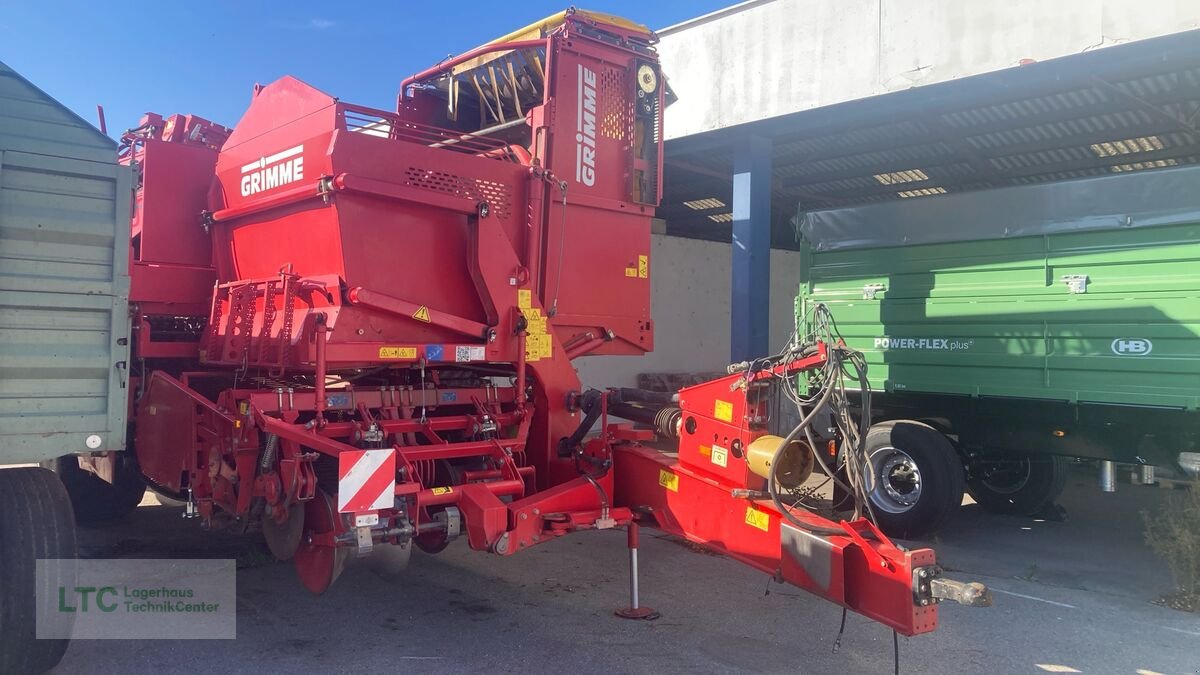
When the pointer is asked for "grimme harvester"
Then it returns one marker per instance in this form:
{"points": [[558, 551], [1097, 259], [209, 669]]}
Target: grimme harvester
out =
{"points": [[364, 343]]}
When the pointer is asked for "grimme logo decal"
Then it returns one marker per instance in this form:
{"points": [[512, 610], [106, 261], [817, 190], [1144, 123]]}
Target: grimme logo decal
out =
{"points": [[585, 128], [272, 171], [1131, 346]]}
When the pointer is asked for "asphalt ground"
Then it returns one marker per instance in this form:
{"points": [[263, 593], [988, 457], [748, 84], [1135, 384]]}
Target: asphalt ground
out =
{"points": [[1073, 596]]}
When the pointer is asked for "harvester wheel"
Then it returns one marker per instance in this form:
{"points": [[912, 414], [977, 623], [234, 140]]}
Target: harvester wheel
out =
{"points": [[915, 477], [36, 522], [1020, 485], [95, 499], [318, 565], [284, 538], [432, 542]]}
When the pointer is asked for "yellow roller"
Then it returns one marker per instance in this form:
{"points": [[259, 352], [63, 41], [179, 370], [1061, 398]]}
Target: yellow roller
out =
{"points": [[795, 464]]}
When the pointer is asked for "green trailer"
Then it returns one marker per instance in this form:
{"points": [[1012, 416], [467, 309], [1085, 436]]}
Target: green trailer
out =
{"points": [[1027, 325], [64, 349]]}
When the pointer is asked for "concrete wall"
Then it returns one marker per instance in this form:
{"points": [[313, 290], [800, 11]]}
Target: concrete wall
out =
{"points": [[690, 301], [761, 59]]}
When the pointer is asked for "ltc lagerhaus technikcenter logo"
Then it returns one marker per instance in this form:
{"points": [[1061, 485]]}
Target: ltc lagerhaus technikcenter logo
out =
{"points": [[136, 599]]}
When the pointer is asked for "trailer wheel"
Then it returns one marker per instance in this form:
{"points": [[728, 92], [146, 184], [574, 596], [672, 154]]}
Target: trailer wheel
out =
{"points": [[94, 499], [1020, 485], [35, 522], [915, 479]]}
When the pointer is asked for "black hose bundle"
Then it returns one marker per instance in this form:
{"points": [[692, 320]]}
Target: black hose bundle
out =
{"points": [[830, 396]]}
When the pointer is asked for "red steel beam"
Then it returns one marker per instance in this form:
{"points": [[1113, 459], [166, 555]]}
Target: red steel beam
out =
{"points": [[416, 312], [375, 398], [858, 567]]}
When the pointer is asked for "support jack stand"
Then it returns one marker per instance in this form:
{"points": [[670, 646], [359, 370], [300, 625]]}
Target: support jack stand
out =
{"points": [[634, 610]]}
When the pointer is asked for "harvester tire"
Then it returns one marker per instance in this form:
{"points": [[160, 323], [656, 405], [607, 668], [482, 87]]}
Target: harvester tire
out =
{"points": [[916, 478], [94, 499], [36, 522], [1018, 485]]}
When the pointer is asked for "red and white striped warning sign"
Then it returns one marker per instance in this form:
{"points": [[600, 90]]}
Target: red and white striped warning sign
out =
{"points": [[366, 480]]}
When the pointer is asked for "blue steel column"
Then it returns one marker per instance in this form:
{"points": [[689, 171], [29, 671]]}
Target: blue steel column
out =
{"points": [[751, 251]]}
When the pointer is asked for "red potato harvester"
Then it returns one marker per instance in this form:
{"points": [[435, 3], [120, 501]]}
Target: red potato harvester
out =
{"points": [[366, 344]]}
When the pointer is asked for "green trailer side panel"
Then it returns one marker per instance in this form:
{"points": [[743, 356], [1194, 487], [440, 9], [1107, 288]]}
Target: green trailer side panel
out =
{"points": [[64, 280], [997, 317]]}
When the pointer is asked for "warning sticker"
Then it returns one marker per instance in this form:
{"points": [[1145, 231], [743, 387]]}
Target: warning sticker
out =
{"points": [[477, 353], [759, 519], [720, 456], [435, 352], [524, 298], [668, 480], [397, 352], [631, 272], [535, 323], [723, 410], [705, 450], [643, 269], [442, 490], [538, 347], [422, 314]]}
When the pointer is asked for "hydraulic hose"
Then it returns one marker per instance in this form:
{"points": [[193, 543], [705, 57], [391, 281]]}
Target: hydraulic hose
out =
{"points": [[590, 405], [772, 482]]}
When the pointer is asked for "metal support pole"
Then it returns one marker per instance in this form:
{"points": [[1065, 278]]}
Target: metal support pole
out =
{"points": [[1108, 476], [635, 610], [751, 274], [633, 578], [1146, 474], [322, 335]]}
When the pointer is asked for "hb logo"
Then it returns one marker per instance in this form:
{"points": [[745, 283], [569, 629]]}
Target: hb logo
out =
{"points": [[1131, 346]]}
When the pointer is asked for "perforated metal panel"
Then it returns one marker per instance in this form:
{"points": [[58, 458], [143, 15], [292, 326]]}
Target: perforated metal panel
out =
{"points": [[616, 106], [497, 195]]}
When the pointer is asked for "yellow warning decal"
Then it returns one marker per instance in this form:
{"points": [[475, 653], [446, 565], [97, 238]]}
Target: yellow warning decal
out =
{"points": [[643, 266], [705, 450], [538, 347], [668, 480], [723, 410], [759, 519], [442, 490], [631, 272], [397, 352], [539, 344], [422, 314]]}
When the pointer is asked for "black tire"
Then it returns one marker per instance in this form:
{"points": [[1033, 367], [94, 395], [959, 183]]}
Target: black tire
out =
{"points": [[1019, 485], [94, 499], [35, 522], [916, 477]]}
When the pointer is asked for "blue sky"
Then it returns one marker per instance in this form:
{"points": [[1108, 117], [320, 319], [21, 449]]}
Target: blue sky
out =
{"points": [[204, 56]]}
